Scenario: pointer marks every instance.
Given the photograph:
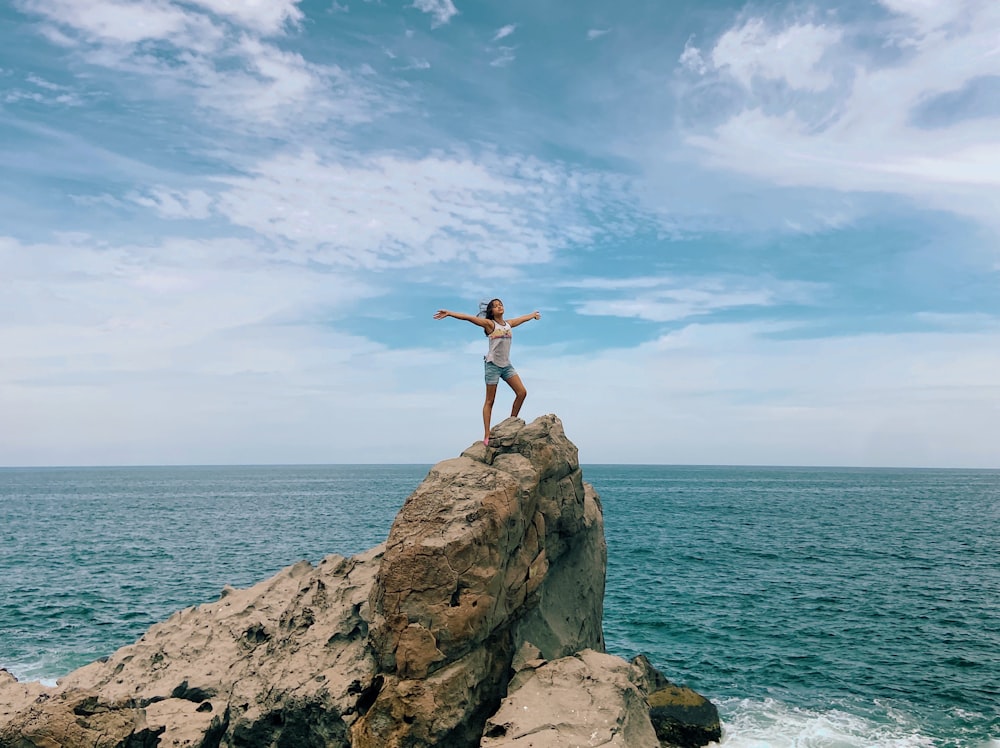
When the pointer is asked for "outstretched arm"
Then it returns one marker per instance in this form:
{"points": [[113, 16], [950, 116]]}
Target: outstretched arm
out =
{"points": [[486, 324], [521, 320]]}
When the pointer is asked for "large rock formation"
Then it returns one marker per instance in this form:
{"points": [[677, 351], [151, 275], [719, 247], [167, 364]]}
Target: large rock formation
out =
{"points": [[477, 622]]}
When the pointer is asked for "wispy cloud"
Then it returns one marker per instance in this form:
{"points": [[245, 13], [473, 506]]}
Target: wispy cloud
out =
{"points": [[504, 31], [669, 299], [597, 33], [389, 210], [188, 204], [791, 55], [691, 59], [739, 394], [505, 56], [136, 345], [47, 85], [199, 44], [269, 17], [849, 121], [42, 91], [417, 64], [442, 11]]}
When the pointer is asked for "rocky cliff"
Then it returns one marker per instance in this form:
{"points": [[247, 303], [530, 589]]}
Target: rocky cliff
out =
{"points": [[478, 622]]}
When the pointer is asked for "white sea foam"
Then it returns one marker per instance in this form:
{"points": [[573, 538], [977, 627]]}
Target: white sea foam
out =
{"points": [[771, 724], [33, 671]]}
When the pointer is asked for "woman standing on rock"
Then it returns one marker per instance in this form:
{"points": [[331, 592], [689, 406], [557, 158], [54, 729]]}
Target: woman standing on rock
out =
{"points": [[497, 358]]}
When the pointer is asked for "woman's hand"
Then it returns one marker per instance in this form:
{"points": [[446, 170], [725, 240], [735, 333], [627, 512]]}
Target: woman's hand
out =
{"points": [[521, 320], [442, 313]]}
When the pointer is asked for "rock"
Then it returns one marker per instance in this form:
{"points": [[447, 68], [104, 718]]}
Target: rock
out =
{"points": [[15, 697], [500, 547], [582, 700], [680, 716], [286, 657], [486, 598]]}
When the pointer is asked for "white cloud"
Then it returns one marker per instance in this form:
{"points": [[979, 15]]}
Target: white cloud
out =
{"points": [[209, 352], [417, 64], [392, 210], [268, 88], [928, 16], [47, 85], [264, 16], [864, 137], [504, 57], [275, 89], [660, 299], [117, 21], [123, 342], [46, 92], [734, 394], [792, 55], [275, 83], [194, 204], [85, 315], [203, 352], [597, 33], [16, 95], [692, 60], [120, 21], [215, 364], [441, 10], [504, 31]]}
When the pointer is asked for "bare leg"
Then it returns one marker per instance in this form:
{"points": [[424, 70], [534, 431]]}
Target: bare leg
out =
{"points": [[519, 394], [491, 395]]}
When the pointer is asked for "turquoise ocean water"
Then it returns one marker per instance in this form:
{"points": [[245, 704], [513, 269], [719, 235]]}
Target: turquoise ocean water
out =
{"points": [[820, 608]]}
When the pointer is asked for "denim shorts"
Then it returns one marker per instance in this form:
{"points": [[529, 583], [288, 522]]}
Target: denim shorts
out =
{"points": [[495, 373]]}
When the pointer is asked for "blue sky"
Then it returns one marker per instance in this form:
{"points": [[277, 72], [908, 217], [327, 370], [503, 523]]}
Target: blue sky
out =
{"points": [[757, 233]]}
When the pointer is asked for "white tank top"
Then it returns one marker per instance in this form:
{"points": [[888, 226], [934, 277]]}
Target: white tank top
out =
{"points": [[500, 338]]}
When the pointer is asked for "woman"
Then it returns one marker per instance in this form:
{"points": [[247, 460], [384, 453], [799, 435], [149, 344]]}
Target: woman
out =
{"points": [[497, 359]]}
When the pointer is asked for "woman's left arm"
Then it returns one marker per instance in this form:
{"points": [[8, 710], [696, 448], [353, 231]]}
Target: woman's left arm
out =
{"points": [[521, 320]]}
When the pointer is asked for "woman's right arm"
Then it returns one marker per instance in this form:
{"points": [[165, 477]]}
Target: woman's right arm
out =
{"points": [[486, 324]]}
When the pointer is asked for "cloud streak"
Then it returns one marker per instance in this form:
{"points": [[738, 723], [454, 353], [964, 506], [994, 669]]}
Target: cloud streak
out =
{"points": [[504, 31], [663, 299]]}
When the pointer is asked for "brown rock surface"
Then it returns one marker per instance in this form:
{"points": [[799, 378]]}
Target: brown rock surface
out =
{"points": [[501, 546], [493, 568], [586, 699], [284, 657]]}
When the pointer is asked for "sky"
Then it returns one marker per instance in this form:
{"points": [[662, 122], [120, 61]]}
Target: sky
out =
{"points": [[757, 234]]}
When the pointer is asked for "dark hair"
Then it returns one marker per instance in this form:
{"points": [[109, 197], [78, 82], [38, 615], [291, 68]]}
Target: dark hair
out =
{"points": [[489, 313]]}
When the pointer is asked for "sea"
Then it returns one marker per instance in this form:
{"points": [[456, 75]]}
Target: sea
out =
{"points": [[816, 607]]}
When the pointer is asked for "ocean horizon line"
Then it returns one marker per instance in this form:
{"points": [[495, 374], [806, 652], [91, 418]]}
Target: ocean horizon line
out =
{"points": [[676, 465]]}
